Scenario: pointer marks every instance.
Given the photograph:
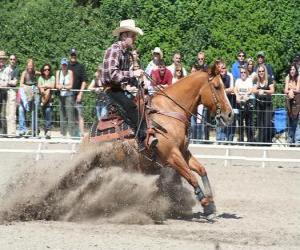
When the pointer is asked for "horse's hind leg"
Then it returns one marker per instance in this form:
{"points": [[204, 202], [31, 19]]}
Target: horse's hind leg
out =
{"points": [[196, 166]]}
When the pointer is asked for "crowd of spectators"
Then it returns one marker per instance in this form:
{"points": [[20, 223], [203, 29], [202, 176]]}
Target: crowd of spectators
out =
{"points": [[249, 84]]}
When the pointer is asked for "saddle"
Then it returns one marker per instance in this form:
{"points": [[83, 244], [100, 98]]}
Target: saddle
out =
{"points": [[110, 128]]}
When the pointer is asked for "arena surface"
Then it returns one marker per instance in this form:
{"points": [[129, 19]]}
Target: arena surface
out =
{"points": [[258, 208]]}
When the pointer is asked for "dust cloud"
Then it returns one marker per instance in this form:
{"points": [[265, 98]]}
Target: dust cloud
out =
{"points": [[102, 184]]}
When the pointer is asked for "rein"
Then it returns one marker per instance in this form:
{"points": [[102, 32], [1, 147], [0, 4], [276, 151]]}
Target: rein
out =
{"points": [[163, 93]]}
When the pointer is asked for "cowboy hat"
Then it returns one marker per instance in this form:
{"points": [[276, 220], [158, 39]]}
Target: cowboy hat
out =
{"points": [[2, 55], [158, 51], [127, 25]]}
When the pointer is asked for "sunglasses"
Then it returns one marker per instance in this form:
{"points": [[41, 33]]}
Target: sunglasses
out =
{"points": [[200, 59], [47, 69], [243, 72], [12, 59]]}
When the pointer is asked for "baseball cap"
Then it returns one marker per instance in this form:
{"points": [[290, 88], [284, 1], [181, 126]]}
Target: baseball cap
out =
{"points": [[73, 51], [260, 53], [64, 61]]}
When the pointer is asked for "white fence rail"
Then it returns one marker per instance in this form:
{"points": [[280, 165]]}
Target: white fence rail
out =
{"points": [[226, 153]]}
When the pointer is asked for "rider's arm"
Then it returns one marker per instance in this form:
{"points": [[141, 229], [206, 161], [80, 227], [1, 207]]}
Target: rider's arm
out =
{"points": [[111, 65]]}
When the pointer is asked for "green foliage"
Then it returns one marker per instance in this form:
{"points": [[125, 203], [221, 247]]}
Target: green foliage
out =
{"points": [[46, 30]]}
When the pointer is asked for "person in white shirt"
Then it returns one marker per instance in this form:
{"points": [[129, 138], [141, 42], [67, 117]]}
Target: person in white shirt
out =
{"points": [[176, 62], [245, 98]]}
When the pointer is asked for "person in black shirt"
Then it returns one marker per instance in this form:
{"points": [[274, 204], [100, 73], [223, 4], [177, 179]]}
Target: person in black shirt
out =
{"points": [[79, 83]]}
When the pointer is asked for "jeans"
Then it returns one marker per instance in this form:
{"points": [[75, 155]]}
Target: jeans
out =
{"points": [[67, 115], [3, 121], [128, 111], [292, 129], [47, 114], [101, 110]]}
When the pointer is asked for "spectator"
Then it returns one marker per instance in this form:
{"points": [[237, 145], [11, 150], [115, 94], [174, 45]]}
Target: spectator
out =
{"points": [[261, 62], [201, 62], [296, 60], [178, 73], [13, 72], [291, 89], [161, 76], [157, 56], [199, 130], [240, 62], [250, 67], [102, 99], [263, 90], [64, 83], [245, 103], [227, 133], [3, 93], [176, 62], [79, 83], [26, 95], [46, 82], [135, 57]]}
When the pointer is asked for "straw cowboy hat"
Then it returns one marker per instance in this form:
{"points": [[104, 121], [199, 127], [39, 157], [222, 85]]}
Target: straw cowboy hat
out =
{"points": [[127, 25], [2, 55], [158, 50]]}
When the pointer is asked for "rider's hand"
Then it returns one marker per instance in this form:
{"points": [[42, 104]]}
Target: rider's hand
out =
{"points": [[138, 73]]}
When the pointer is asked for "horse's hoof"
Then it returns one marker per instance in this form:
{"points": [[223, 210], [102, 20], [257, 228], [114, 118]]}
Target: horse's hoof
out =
{"points": [[209, 209], [211, 217]]}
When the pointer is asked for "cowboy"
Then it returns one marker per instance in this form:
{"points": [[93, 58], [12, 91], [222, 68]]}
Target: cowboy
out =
{"points": [[117, 72]]}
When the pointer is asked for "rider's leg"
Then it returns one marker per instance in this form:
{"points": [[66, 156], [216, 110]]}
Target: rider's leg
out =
{"points": [[131, 115]]}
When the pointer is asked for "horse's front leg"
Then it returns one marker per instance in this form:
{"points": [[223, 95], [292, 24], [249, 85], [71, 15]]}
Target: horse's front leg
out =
{"points": [[195, 165], [177, 161]]}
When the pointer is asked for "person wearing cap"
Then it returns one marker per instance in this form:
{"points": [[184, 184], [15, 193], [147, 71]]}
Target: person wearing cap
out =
{"points": [[261, 62], [3, 93], [116, 72], [79, 83], [239, 63], [64, 83], [176, 63], [157, 55]]}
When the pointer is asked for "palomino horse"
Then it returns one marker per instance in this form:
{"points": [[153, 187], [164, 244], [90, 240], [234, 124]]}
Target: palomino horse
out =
{"points": [[174, 108]]}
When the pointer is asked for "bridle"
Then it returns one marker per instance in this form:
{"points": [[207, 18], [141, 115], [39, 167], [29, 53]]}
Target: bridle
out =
{"points": [[161, 91], [215, 100]]}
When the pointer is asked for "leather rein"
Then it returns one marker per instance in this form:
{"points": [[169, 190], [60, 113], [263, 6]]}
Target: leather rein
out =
{"points": [[176, 115]]}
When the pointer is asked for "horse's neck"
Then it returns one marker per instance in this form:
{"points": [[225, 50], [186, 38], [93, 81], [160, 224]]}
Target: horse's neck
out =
{"points": [[186, 92]]}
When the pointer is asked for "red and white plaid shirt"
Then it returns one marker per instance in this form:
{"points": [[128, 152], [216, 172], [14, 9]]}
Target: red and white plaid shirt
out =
{"points": [[116, 65]]}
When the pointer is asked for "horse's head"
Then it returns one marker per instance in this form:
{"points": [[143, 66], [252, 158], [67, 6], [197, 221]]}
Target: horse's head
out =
{"points": [[213, 96]]}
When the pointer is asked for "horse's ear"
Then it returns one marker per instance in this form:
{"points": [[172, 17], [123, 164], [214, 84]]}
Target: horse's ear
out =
{"points": [[213, 71]]}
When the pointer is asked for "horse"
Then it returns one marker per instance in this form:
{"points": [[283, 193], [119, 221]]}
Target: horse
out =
{"points": [[170, 112], [175, 106]]}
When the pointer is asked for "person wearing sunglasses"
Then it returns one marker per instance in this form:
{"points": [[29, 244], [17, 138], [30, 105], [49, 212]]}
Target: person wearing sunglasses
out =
{"points": [[240, 62], [12, 74], [263, 90], [176, 63], [245, 104], [46, 82], [261, 61], [201, 62]]}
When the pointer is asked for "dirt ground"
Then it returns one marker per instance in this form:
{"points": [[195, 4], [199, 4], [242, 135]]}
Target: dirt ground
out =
{"points": [[257, 208]]}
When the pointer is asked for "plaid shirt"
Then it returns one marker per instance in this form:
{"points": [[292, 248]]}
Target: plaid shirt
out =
{"points": [[116, 65]]}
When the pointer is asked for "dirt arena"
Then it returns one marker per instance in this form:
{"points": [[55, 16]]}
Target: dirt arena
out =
{"points": [[62, 204]]}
